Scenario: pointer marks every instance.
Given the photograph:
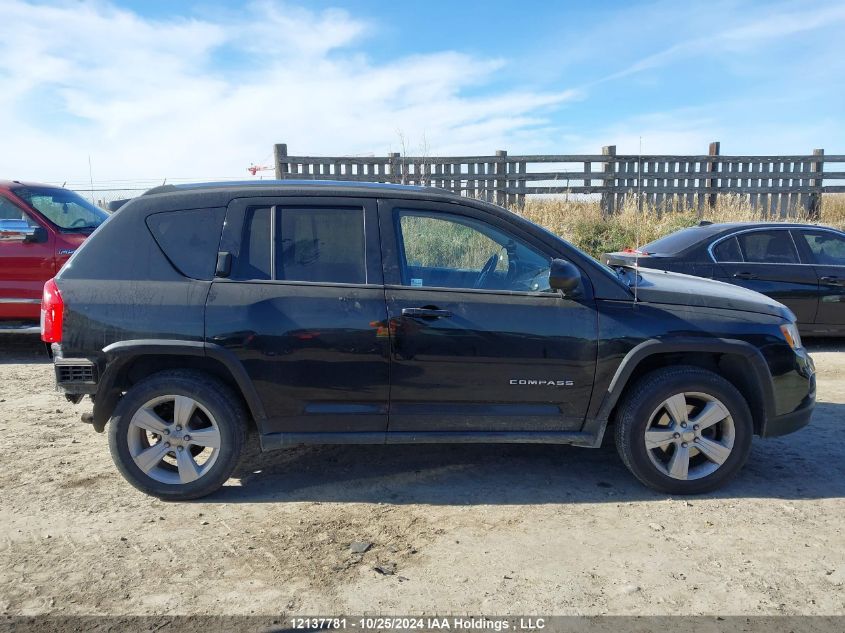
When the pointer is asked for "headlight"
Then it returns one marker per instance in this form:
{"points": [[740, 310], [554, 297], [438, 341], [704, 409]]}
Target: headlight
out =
{"points": [[790, 333]]}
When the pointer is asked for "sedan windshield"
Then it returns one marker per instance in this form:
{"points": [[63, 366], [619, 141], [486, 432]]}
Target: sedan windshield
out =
{"points": [[67, 210]]}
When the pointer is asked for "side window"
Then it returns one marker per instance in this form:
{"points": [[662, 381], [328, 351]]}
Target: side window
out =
{"points": [[253, 261], [12, 212], [310, 244], [189, 239], [727, 251], [828, 248], [451, 251], [768, 247], [321, 245]]}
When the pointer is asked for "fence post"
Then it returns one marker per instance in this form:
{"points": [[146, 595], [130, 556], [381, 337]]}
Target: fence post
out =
{"points": [[501, 177], [608, 198], [395, 168], [814, 208], [710, 183], [280, 153]]}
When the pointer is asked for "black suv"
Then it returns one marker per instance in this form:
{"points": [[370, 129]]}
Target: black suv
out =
{"points": [[326, 312]]}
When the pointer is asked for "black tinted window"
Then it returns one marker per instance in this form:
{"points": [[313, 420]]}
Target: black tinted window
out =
{"points": [[727, 251], [319, 245], [675, 242], [768, 247], [253, 261], [189, 239], [828, 248]]}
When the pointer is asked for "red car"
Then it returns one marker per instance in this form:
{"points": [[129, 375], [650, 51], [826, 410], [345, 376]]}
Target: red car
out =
{"points": [[40, 228]]}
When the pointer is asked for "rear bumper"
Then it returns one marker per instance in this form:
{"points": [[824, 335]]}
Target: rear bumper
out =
{"points": [[76, 375]]}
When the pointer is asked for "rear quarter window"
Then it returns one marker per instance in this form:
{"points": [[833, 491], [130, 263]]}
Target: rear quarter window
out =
{"points": [[676, 242], [189, 239], [728, 251]]}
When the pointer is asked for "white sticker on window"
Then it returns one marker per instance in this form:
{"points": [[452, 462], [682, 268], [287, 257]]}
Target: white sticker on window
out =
{"points": [[416, 282]]}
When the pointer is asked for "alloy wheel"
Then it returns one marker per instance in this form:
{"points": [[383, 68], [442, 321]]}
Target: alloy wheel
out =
{"points": [[173, 439], [690, 435]]}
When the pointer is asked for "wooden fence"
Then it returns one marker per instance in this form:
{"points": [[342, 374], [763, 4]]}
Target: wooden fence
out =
{"points": [[778, 185]]}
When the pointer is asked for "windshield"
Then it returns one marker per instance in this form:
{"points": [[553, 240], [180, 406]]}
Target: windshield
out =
{"points": [[66, 209]]}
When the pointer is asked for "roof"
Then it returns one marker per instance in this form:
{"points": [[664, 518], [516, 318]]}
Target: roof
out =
{"points": [[6, 184], [289, 184], [718, 227]]}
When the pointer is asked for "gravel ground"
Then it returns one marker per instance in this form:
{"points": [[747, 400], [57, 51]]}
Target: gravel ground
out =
{"points": [[453, 529]]}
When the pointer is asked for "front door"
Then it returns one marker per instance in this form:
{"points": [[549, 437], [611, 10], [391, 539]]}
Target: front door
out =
{"points": [[479, 340], [826, 251], [767, 261], [302, 307], [24, 265]]}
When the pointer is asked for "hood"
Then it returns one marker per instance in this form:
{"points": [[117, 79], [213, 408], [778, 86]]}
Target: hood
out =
{"points": [[659, 286]]}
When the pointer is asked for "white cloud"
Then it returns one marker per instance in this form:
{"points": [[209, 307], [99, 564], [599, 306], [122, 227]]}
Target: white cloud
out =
{"points": [[203, 98]]}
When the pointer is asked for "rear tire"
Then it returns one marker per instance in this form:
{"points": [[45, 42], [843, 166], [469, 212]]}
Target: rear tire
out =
{"points": [[684, 430], [178, 435]]}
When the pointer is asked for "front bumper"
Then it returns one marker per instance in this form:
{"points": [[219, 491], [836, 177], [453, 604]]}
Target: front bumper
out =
{"points": [[789, 423], [798, 418]]}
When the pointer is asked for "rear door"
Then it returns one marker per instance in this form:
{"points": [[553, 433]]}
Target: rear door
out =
{"points": [[24, 265], [479, 341], [825, 249], [303, 309], [767, 261]]}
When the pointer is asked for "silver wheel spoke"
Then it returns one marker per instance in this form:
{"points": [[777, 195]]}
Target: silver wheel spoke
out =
{"points": [[659, 438], [151, 457], [209, 437], [712, 413], [679, 464], [169, 460], [183, 409], [713, 451], [188, 468], [149, 421], [676, 406]]}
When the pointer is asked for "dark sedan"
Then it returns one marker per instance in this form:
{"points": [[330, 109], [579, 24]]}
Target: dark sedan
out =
{"points": [[800, 265]]}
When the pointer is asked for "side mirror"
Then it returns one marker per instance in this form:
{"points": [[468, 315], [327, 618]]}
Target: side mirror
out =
{"points": [[38, 235], [564, 276]]}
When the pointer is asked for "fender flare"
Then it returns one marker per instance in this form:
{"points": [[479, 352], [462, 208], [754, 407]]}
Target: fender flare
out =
{"points": [[118, 355], [759, 368]]}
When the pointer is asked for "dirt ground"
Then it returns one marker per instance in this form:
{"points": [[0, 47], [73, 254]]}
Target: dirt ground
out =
{"points": [[458, 529]]}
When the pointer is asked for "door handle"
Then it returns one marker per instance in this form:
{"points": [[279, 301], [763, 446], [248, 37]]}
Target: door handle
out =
{"points": [[833, 280], [426, 313], [744, 276]]}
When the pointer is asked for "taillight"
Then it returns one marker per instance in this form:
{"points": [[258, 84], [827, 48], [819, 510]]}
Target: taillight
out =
{"points": [[52, 313]]}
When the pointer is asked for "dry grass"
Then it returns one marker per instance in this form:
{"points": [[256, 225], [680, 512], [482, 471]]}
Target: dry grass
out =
{"points": [[581, 222]]}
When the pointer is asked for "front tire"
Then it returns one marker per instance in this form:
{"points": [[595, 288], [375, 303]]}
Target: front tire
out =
{"points": [[684, 430], [178, 435]]}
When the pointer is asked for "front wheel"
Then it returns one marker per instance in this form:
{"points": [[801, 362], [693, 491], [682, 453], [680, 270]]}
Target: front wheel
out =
{"points": [[684, 430], [178, 435]]}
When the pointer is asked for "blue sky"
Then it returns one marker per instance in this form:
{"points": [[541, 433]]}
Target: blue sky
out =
{"points": [[152, 89]]}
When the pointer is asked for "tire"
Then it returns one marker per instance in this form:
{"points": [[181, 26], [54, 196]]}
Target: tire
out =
{"points": [[714, 451], [145, 425]]}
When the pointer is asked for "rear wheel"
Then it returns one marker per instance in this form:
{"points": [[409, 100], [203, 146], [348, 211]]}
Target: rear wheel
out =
{"points": [[178, 434], [684, 430]]}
